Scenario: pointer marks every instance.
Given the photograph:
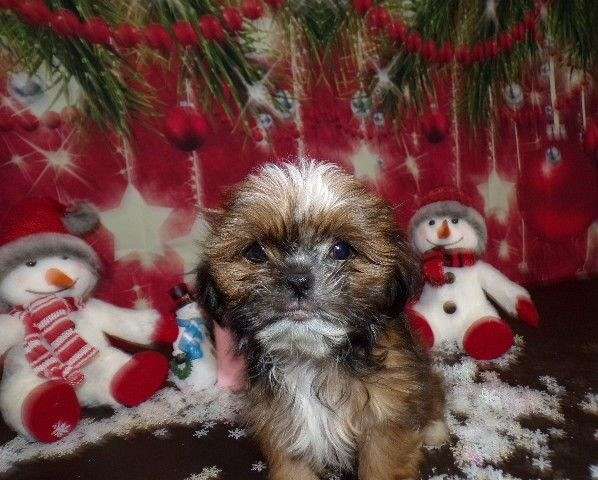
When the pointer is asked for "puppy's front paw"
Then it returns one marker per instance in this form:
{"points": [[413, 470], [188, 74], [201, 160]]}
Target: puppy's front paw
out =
{"points": [[436, 434]]}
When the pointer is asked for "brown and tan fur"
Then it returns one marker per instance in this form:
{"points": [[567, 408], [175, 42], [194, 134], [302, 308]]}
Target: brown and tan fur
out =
{"points": [[343, 385]]}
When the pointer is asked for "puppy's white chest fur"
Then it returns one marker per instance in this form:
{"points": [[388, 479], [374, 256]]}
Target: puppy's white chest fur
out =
{"points": [[319, 417]]}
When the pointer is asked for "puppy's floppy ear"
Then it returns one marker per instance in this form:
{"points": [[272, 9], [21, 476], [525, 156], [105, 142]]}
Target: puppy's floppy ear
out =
{"points": [[406, 280], [208, 295]]}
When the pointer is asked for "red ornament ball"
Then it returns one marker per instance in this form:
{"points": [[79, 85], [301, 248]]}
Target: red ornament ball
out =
{"points": [[233, 20], [211, 28], [96, 30], [362, 6], [185, 33], [253, 9], [127, 36], [554, 203], [186, 128], [435, 126]]}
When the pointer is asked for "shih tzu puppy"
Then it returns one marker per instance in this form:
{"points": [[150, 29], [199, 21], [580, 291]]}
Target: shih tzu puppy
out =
{"points": [[311, 274]]}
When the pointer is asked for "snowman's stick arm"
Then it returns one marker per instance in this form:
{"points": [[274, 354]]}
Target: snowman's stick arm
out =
{"points": [[502, 290], [12, 332], [138, 326]]}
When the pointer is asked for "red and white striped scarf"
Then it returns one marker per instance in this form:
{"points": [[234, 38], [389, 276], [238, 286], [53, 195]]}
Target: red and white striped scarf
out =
{"points": [[53, 348]]}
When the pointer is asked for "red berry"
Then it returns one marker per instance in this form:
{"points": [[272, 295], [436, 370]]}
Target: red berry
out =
{"points": [[211, 28], [429, 51], [253, 9], [447, 53], [414, 42], [233, 21], [464, 55], [477, 54], [185, 33], [491, 49], [157, 37], [506, 42], [127, 36], [378, 18], [35, 12], [519, 32], [362, 6], [397, 31], [96, 30], [66, 24]]}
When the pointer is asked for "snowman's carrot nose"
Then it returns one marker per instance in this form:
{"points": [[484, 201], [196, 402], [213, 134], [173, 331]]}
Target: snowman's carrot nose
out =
{"points": [[58, 278], [444, 231]]}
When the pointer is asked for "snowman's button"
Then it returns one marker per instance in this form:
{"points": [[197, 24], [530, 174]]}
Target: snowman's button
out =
{"points": [[449, 307], [449, 277]]}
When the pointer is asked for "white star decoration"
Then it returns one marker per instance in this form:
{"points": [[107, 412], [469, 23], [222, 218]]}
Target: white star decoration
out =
{"points": [[498, 195], [187, 246], [366, 164], [136, 227]]}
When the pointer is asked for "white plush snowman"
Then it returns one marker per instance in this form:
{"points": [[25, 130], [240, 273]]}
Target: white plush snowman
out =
{"points": [[453, 306], [55, 334]]}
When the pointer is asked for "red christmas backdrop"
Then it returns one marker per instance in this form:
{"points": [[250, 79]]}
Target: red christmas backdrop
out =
{"points": [[534, 183]]}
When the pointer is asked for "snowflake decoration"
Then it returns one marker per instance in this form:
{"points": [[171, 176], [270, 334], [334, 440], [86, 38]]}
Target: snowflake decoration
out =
{"points": [[258, 466], [590, 403], [206, 474], [556, 432], [542, 464], [237, 433], [201, 433], [552, 385], [161, 433], [61, 429]]}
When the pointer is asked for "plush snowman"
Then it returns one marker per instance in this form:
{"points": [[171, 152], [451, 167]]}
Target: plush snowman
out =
{"points": [[54, 336], [453, 306]]}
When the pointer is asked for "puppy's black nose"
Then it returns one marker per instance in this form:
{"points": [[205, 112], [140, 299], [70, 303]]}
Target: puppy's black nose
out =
{"points": [[299, 283]]}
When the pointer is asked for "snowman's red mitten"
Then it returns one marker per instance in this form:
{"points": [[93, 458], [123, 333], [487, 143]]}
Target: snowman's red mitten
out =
{"points": [[166, 329], [434, 270], [527, 312]]}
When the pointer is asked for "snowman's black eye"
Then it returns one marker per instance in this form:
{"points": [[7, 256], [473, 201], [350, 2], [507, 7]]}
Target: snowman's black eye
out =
{"points": [[65, 257], [432, 222], [455, 220], [31, 263]]}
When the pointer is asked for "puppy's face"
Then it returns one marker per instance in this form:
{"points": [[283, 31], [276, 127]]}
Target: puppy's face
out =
{"points": [[303, 261]]}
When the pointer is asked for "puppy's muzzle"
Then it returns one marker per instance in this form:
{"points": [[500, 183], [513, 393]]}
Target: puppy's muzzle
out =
{"points": [[299, 283]]}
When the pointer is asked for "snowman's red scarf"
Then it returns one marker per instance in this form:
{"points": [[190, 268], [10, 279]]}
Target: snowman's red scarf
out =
{"points": [[435, 260], [53, 348]]}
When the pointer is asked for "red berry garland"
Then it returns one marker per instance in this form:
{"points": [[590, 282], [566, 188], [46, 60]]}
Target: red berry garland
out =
{"points": [[66, 24], [127, 36], [158, 38], [96, 30]]}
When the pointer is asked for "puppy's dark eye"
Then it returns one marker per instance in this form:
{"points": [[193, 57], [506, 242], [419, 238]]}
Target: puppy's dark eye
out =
{"points": [[31, 263], [255, 253], [455, 220], [340, 251], [432, 222]]}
